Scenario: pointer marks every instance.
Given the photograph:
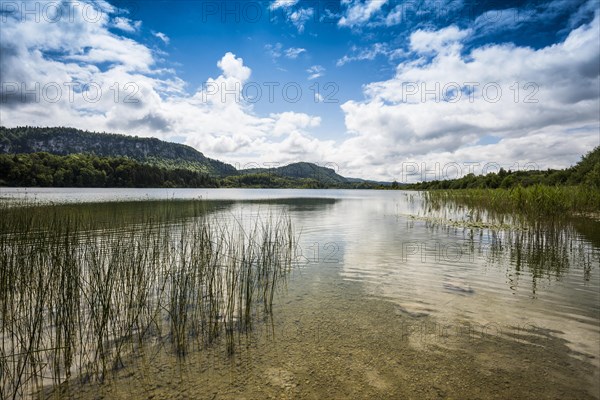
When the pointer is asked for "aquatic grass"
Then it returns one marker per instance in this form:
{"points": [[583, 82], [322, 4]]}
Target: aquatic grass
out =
{"points": [[79, 295], [531, 229], [532, 202]]}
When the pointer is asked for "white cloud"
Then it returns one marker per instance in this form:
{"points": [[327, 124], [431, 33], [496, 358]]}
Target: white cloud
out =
{"points": [[221, 124], [359, 12], [582, 13], [369, 53], [234, 67], [552, 148], [283, 4], [289, 122], [300, 17], [396, 16], [297, 16], [422, 11], [316, 71], [162, 37], [444, 40], [407, 117], [127, 25], [294, 52], [274, 50], [507, 19], [385, 129]]}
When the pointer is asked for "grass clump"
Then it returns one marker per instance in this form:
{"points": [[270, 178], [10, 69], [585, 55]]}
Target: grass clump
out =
{"points": [[78, 294]]}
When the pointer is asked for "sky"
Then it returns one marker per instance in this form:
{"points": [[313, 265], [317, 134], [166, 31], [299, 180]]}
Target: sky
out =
{"points": [[382, 89]]}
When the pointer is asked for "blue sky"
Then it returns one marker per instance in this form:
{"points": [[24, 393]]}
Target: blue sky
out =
{"points": [[401, 83]]}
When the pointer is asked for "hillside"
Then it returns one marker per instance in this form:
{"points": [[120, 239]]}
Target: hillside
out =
{"points": [[52, 157], [65, 141], [85, 170], [302, 170]]}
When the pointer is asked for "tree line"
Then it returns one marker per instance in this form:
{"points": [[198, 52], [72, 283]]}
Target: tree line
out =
{"points": [[87, 170], [586, 172]]}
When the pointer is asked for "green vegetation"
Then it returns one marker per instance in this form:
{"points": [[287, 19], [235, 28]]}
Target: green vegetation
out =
{"points": [[534, 194], [272, 180], [323, 177], [67, 141], [586, 172], [533, 201], [84, 170], [83, 289]]}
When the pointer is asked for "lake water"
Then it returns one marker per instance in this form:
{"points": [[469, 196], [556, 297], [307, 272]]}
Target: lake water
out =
{"points": [[390, 299]]}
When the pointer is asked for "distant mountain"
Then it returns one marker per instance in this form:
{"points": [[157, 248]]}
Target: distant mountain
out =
{"points": [[372, 182], [65, 141], [302, 170]]}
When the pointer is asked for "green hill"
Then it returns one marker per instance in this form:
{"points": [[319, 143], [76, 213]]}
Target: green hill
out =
{"points": [[86, 170], [302, 170], [46, 152], [65, 141]]}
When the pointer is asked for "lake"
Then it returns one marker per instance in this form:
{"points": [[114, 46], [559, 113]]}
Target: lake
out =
{"points": [[385, 297]]}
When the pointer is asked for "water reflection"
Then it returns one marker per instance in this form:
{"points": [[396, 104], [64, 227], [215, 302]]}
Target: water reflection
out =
{"points": [[460, 265]]}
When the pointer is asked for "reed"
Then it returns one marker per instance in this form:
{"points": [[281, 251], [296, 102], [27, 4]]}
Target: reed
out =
{"points": [[81, 291], [533, 201]]}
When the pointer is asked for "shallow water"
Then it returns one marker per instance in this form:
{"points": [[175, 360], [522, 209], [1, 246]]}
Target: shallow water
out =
{"points": [[388, 299]]}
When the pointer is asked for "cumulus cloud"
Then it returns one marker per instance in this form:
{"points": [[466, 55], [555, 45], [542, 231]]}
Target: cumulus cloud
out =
{"points": [[234, 67], [56, 62], [289, 122], [116, 86], [541, 105], [441, 104], [443, 40], [359, 12], [552, 148]]}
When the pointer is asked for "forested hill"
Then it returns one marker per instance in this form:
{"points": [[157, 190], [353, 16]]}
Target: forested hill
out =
{"points": [[300, 170], [66, 141]]}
